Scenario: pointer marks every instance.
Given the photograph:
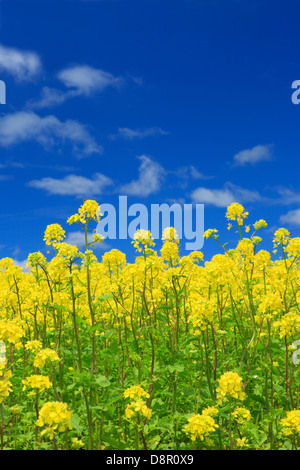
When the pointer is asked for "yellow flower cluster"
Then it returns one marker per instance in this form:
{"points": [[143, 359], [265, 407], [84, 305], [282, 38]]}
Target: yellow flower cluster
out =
{"points": [[33, 346], [293, 247], [142, 239], [281, 236], [211, 232], [134, 392], [259, 224], [202, 313], [246, 248], [200, 425], [54, 234], [169, 252], [56, 416], [11, 331], [291, 423], [242, 442], [288, 325], [235, 305], [114, 259], [230, 386], [170, 234], [241, 415], [44, 355], [68, 252], [5, 383], [236, 212], [210, 411], [90, 209], [138, 405], [40, 382]]}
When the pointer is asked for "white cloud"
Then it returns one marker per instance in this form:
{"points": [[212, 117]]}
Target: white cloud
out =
{"points": [[22, 264], [86, 80], [78, 238], [292, 217], [81, 80], [225, 196], [254, 155], [22, 65], [25, 126], [5, 177], [216, 197], [73, 185], [130, 134], [288, 196], [151, 176], [244, 195], [190, 172], [49, 98]]}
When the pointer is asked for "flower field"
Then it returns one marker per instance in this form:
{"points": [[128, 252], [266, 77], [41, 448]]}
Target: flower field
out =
{"points": [[169, 352]]}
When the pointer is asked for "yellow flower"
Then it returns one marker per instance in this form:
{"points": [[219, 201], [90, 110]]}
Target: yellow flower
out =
{"points": [[210, 411], [241, 414], [230, 385], [200, 425], [196, 255], [97, 237], [169, 252], [5, 383], [45, 355], [245, 247], [33, 346], [138, 405], [293, 248], [288, 325], [256, 240], [11, 331], [135, 392], [144, 238], [170, 234], [68, 251], [76, 443], [89, 210], [114, 259], [129, 412], [259, 224], [236, 212], [202, 312], [243, 442], [56, 416], [211, 232], [291, 423], [37, 381], [54, 234], [281, 236], [35, 259]]}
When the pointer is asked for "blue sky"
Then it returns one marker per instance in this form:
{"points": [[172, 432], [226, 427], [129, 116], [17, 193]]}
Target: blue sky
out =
{"points": [[185, 101]]}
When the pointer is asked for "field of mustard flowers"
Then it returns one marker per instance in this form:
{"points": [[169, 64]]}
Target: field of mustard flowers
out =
{"points": [[169, 352]]}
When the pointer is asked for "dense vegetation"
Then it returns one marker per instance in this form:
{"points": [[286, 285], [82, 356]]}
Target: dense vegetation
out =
{"points": [[169, 352]]}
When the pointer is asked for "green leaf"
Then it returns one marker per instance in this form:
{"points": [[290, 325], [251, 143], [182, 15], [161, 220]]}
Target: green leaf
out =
{"points": [[102, 381], [176, 367], [105, 297], [75, 423]]}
